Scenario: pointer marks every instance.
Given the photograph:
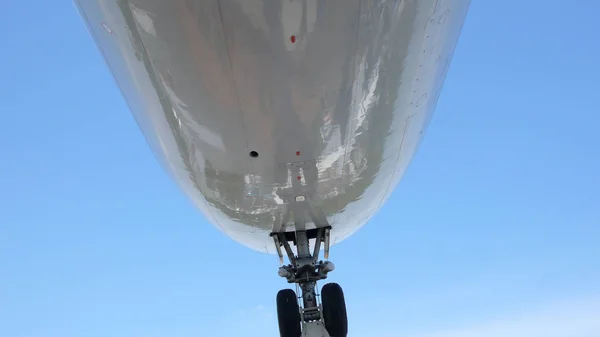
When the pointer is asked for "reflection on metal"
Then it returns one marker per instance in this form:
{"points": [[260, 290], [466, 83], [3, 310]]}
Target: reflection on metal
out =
{"points": [[342, 106]]}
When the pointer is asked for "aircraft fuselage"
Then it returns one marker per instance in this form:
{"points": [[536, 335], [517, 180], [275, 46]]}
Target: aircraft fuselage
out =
{"points": [[280, 115]]}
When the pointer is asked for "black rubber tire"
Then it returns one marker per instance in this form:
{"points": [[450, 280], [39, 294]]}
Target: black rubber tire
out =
{"points": [[288, 314], [334, 310]]}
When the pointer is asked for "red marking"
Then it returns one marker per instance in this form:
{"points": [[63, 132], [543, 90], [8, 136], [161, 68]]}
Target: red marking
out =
{"points": [[293, 39], [297, 153], [299, 178]]}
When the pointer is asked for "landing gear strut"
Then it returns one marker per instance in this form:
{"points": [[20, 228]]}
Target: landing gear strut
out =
{"points": [[305, 270]]}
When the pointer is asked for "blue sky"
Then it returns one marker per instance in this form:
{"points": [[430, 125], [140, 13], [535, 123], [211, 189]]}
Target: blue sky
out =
{"points": [[493, 231]]}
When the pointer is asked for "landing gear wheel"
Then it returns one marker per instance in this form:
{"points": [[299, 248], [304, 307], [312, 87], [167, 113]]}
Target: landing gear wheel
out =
{"points": [[334, 310], [288, 313]]}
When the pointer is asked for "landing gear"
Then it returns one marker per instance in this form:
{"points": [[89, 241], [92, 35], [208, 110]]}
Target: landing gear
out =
{"points": [[326, 319], [334, 309], [288, 313]]}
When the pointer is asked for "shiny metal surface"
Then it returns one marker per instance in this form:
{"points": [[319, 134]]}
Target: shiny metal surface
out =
{"points": [[333, 96]]}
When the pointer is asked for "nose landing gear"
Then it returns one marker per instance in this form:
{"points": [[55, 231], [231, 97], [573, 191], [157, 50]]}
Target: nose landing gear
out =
{"points": [[314, 318]]}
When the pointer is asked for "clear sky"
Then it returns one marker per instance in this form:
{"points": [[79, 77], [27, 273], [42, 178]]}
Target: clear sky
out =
{"points": [[494, 230]]}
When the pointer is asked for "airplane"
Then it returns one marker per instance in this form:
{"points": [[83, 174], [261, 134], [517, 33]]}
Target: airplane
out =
{"points": [[287, 122]]}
